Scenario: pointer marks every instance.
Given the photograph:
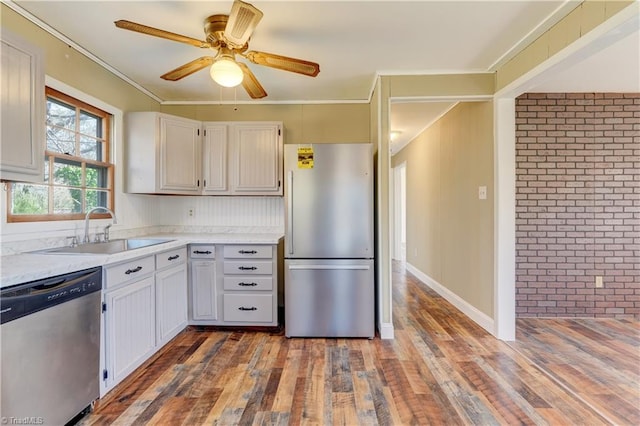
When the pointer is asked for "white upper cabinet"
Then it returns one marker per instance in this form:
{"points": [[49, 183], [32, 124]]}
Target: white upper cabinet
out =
{"points": [[162, 154], [169, 155], [257, 158], [214, 158], [23, 99], [179, 155]]}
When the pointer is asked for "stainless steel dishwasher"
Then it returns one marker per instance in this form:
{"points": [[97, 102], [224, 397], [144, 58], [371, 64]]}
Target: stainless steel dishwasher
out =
{"points": [[50, 334]]}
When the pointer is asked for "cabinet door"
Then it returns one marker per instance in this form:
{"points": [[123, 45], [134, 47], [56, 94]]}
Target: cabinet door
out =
{"points": [[22, 106], [171, 303], [179, 155], [203, 290], [214, 158], [257, 159], [130, 328]]}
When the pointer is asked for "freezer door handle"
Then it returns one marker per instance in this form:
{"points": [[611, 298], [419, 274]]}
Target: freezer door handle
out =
{"points": [[335, 267], [290, 211]]}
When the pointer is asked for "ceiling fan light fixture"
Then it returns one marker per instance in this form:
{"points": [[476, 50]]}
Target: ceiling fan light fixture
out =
{"points": [[226, 72]]}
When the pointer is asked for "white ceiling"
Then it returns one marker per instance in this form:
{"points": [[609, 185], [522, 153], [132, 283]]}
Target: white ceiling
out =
{"points": [[353, 41]]}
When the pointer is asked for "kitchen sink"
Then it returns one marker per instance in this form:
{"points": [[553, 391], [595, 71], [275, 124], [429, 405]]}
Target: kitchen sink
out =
{"points": [[110, 247]]}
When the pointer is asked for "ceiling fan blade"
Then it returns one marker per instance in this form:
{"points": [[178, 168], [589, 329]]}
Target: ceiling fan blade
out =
{"points": [[139, 28], [243, 19], [284, 63], [251, 83], [188, 68]]}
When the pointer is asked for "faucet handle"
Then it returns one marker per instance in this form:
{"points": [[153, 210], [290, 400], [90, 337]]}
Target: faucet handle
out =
{"points": [[98, 237], [74, 241]]}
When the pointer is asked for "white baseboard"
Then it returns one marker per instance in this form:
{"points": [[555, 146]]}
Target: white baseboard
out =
{"points": [[386, 330], [480, 318]]}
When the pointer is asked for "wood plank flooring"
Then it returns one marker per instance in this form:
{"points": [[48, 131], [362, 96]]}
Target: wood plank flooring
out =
{"points": [[597, 359], [440, 369]]}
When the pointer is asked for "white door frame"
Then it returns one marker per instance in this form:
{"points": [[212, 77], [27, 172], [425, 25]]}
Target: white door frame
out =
{"points": [[399, 185]]}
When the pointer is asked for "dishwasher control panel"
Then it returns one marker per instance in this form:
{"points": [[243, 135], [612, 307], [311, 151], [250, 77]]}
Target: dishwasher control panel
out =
{"points": [[26, 298]]}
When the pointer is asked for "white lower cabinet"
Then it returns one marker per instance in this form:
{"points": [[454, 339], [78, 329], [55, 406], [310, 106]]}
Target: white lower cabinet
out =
{"points": [[130, 324], [144, 307], [204, 293], [253, 308], [235, 284], [171, 295], [202, 278]]}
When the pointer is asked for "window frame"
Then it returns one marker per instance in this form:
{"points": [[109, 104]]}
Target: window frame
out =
{"points": [[107, 164]]}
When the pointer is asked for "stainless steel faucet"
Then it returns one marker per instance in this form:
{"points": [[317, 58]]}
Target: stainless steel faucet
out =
{"points": [[106, 230]]}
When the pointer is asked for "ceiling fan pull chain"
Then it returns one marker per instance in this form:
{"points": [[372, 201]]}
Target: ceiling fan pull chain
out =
{"points": [[235, 99]]}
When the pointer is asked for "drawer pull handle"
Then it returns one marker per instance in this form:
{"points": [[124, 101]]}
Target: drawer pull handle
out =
{"points": [[173, 257], [201, 252], [242, 308], [248, 284], [247, 268], [247, 251], [132, 271]]}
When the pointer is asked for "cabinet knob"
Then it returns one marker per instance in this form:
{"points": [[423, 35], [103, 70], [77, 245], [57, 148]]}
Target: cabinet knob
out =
{"points": [[201, 252], [173, 257], [248, 284], [247, 251], [242, 308]]}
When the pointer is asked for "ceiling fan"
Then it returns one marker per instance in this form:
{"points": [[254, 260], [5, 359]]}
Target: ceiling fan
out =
{"points": [[229, 36]]}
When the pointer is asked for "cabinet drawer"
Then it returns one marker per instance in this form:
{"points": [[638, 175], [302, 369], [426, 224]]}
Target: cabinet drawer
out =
{"points": [[251, 251], [130, 270], [232, 267], [248, 283], [248, 308], [202, 251], [171, 257]]}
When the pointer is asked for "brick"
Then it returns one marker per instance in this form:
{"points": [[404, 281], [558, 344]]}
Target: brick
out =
{"points": [[578, 201]]}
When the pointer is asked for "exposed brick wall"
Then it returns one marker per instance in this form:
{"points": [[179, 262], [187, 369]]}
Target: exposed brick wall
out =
{"points": [[578, 204]]}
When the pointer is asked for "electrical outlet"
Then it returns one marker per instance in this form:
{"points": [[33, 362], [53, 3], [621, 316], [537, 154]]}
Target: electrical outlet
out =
{"points": [[599, 283], [191, 212]]}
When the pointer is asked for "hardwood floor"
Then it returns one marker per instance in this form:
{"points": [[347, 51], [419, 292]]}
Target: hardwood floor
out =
{"points": [[440, 369], [598, 359]]}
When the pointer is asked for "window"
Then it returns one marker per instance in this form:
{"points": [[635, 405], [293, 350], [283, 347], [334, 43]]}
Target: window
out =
{"points": [[78, 174]]}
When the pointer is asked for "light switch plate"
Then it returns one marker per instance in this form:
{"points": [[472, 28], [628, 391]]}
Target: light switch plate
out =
{"points": [[482, 192]]}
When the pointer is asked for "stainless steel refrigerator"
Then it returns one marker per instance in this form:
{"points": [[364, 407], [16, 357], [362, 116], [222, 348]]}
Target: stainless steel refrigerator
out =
{"points": [[329, 265]]}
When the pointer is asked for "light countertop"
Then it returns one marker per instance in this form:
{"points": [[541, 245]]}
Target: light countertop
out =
{"points": [[25, 267]]}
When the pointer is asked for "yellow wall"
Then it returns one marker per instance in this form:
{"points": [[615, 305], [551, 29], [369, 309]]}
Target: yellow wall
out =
{"points": [[325, 123], [449, 230], [68, 66], [446, 85]]}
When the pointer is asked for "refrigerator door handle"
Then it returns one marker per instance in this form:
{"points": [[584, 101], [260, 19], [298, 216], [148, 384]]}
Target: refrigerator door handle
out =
{"points": [[335, 267], [290, 212]]}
